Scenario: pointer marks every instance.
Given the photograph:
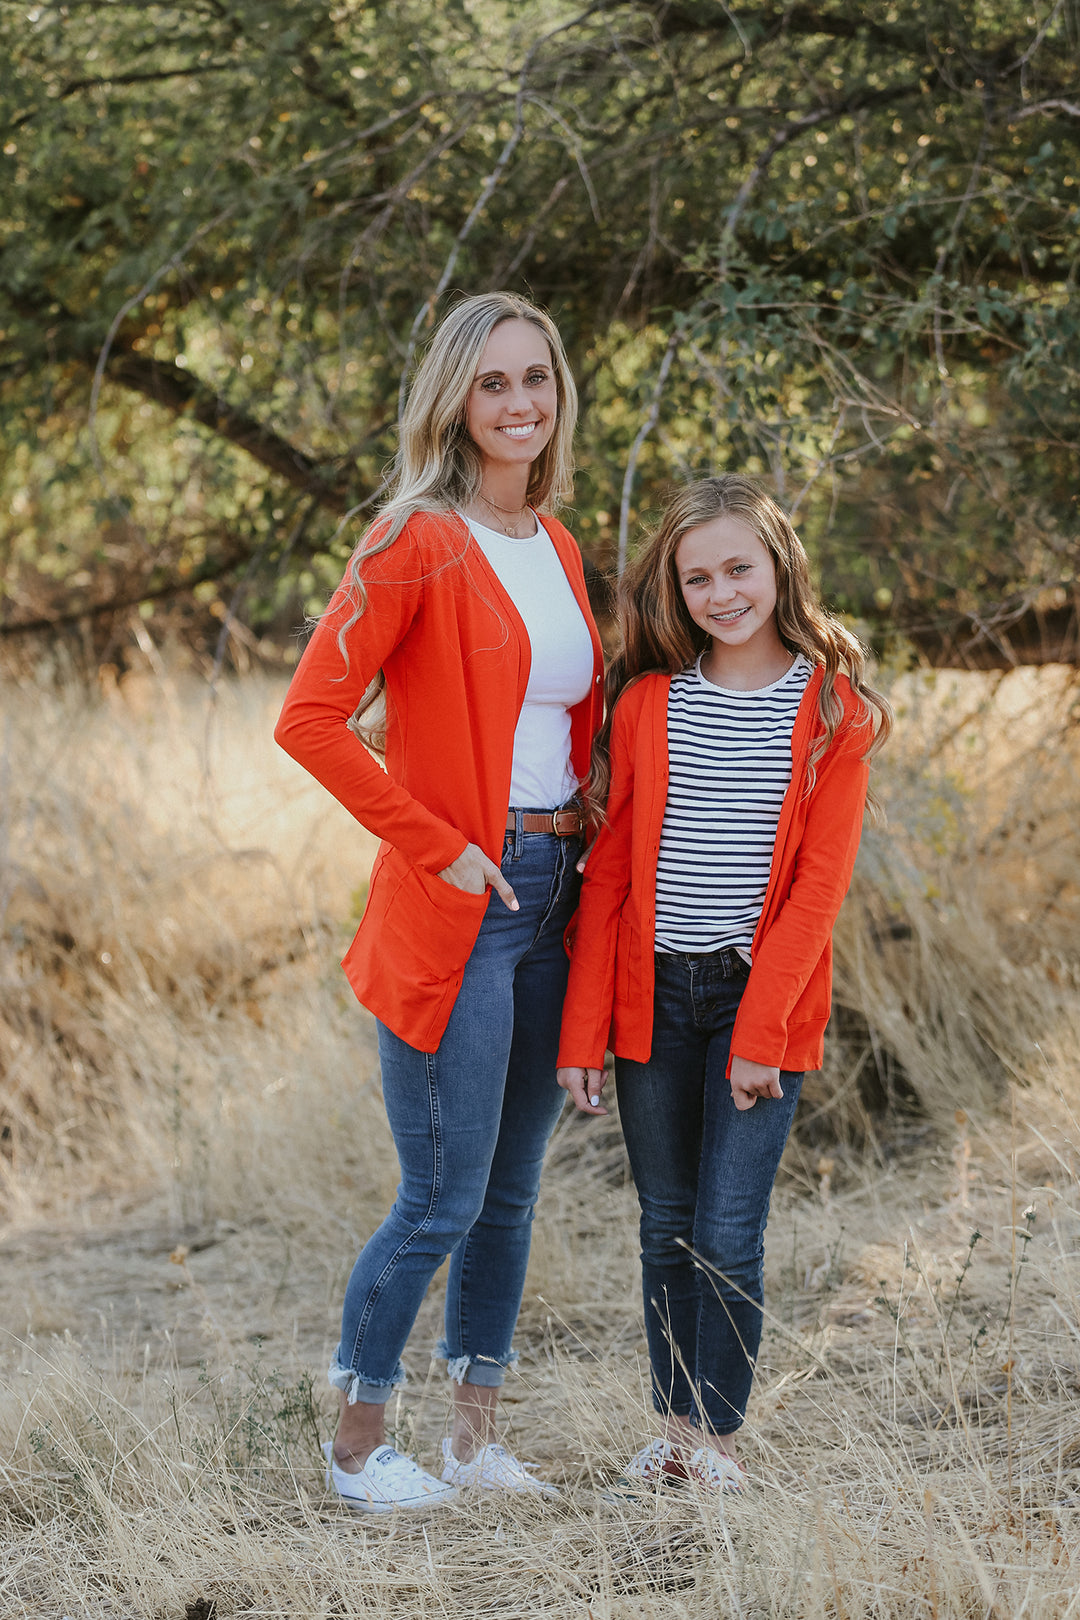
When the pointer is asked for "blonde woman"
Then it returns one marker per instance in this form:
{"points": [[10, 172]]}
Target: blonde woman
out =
{"points": [[465, 605]]}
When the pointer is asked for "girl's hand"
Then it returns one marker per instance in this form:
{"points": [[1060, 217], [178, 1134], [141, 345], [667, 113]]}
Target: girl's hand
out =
{"points": [[585, 856], [749, 1081], [474, 872], [585, 1086]]}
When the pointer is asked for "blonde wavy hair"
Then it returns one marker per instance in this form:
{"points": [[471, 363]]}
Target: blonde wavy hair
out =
{"points": [[437, 467], [659, 636]]}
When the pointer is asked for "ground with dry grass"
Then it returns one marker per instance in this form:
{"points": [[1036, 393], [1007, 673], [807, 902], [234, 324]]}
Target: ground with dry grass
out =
{"points": [[194, 1148]]}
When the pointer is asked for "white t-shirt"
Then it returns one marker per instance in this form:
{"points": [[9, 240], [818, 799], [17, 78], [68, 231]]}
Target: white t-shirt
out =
{"points": [[561, 670]]}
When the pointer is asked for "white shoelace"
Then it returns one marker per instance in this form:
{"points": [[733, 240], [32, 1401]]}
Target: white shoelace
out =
{"points": [[650, 1460], [494, 1468], [713, 1468], [386, 1477]]}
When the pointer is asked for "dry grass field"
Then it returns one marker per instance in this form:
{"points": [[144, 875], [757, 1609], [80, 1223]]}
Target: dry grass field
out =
{"points": [[193, 1149]]}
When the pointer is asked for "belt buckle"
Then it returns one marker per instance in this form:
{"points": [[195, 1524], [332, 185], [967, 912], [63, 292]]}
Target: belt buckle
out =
{"points": [[565, 811]]}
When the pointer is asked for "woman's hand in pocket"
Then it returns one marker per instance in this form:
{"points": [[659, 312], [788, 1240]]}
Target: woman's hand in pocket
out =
{"points": [[474, 872]]}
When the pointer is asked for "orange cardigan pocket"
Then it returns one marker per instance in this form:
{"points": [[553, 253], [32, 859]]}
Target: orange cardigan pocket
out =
{"points": [[814, 1005], [432, 922], [407, 960], [627, 964]]}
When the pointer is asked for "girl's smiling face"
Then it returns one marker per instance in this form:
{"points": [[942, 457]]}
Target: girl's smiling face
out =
{"points": [[728, 582], [513, 401]]}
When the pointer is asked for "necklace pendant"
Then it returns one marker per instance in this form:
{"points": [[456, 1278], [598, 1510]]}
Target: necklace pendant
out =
{"points": [[508, 527]]}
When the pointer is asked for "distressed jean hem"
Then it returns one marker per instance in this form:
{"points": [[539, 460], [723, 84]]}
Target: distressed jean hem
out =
{"points": [[355, 1387], [487, 1372]]}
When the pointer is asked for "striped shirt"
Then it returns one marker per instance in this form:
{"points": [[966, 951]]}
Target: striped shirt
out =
{"points": [[729, 757]]}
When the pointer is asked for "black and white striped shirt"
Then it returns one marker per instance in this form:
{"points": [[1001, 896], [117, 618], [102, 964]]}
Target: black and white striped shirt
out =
{"points": [[729, 768]]}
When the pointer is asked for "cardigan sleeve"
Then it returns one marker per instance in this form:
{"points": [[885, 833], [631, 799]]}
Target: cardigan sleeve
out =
{"points": [[325, 693], [798, 938], [593, 934]]}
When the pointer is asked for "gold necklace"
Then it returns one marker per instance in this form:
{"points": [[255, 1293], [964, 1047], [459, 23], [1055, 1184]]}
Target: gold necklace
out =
{"points": [[501, 515]]}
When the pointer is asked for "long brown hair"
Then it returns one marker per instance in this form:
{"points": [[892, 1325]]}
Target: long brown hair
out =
{"points": [[659, 636], [437, 466]]}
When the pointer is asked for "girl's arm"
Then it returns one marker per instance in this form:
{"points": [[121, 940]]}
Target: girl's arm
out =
{"points": [[795, 943], [325, 693], [593, 933]]}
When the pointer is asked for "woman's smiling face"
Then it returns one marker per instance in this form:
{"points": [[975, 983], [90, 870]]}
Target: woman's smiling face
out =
{"points": [[513, 401]]}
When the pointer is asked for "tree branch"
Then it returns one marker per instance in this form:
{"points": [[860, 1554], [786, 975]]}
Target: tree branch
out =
{"points": [[1032, 636], [77, 85], [642, 434], [178, 390], [853, 22], [130, 599], [167, 384]]}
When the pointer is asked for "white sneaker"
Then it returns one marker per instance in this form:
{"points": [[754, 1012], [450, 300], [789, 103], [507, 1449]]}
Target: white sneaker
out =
{"points": [[493, 1469], [386, 1481], [716, 1470]]}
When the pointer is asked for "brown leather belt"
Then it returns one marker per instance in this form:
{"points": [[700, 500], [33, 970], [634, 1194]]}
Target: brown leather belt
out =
{"points": [[565, 823]]}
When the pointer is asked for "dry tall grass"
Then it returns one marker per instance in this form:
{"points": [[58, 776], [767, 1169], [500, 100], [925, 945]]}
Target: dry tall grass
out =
{"points": [[194, 1148]]}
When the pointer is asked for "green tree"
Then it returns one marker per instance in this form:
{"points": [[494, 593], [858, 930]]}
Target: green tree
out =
{"points": [[833, 244]]}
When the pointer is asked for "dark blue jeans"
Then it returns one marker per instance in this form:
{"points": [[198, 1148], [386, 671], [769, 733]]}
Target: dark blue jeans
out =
{"points": [[704, 1173], [471, 1124]]}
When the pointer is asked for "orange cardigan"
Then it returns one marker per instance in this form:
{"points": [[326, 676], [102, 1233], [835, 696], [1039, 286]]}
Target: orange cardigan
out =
{"points": [[456, 659], [785, 1006]]}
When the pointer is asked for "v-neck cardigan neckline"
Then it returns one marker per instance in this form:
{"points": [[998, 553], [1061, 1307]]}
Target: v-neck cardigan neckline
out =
{"points": [[786, 1003], [456, 660]]}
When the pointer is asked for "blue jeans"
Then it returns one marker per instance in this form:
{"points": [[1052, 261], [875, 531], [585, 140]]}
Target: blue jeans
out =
{"points": [[704, 1173], [471, 1123]]}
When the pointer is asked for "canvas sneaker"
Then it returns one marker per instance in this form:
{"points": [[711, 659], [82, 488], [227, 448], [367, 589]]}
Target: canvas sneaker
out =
{"points": [[656, 1466], [493, 1469], [716, 1470], [658, 1461], [387, 1481]]}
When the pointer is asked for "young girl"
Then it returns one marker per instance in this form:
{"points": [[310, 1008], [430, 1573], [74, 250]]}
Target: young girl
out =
{"points": [[731, 776]]}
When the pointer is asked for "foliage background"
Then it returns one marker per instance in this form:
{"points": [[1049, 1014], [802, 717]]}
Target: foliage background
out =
{"points": [[832, 244]]}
